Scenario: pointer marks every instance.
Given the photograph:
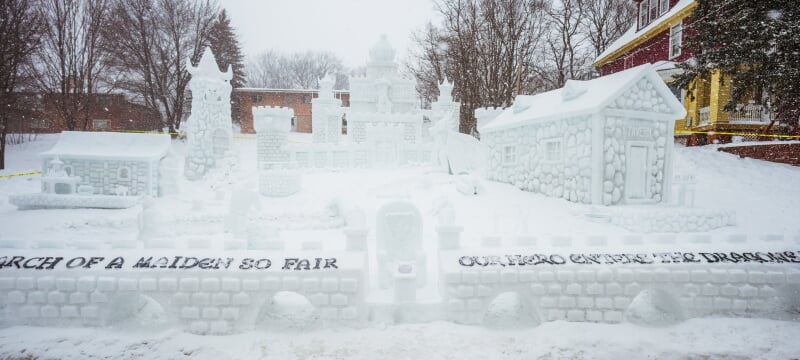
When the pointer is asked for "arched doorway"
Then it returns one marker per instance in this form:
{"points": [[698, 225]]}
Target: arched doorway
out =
{"points": [[287, 310], [510, 310], [138, 311], [654, 307]]}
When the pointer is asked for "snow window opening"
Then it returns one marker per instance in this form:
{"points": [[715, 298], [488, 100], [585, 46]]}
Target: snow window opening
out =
{"points": [[100, 124], [509, 155], [68, 170], [675, 39], [124, 173], [552, 150], [39, 124]]}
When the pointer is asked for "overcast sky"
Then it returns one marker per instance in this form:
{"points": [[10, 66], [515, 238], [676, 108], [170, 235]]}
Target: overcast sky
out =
{"points": [[348, 28]]}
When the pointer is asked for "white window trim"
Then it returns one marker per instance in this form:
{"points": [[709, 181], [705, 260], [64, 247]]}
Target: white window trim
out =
{"points": [[560, 151], [680, 40], [657, 11], [644, 13], [94, 124], [506, 161]]}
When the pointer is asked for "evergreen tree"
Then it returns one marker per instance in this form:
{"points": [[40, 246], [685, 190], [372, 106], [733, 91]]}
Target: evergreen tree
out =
{"points": [[226, 48], [755, 44]]}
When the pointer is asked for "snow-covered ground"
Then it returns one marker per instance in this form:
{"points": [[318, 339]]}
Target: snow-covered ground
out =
{"points": [[762, 195]]}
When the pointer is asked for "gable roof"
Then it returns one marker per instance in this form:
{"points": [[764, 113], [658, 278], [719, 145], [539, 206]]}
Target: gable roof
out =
{"points": [[578, 98], [110, 145], [634, 37]]}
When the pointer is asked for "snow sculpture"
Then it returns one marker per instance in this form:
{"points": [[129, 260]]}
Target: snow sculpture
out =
{"points": [[454, 152], [382, 96], [243, 200], [209, 132], [444, 108], [685, 186], [605, 141], [483, 116], [326, 115], [100, 170], [399, 248], [277, 175]]}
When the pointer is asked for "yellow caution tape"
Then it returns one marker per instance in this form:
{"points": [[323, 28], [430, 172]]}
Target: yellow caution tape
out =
{"points": [[737, 134], [20, 174]]}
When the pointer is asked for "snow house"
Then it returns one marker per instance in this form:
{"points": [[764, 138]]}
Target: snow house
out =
{"points": [[606, 141], [102, 163]]}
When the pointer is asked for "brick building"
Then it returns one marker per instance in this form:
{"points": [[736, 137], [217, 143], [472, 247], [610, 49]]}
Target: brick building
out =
{"points": [[657, 37], [36, 113], [298, 100]]}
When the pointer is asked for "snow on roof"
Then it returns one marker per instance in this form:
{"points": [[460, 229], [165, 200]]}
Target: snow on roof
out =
{"points": [[110, 145], [576, 98], [633, 35]]}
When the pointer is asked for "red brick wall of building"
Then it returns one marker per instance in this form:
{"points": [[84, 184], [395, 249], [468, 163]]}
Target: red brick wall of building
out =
{"points": [[36, 113], [244, 99]]}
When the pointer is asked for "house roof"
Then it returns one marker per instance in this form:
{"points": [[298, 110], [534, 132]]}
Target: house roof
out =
{"points": [[634, 37], [578, 98], [110, 145]]}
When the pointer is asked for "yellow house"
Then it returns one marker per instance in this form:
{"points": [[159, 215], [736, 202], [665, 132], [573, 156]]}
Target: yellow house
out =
{"points": [[657, 38]]}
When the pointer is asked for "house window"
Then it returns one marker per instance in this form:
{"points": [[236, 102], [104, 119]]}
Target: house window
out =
{"points": [[552, 150], [257, 98], [100, 124], [306, 99], [124, 173], [289, 100], [664, 6], [642, 14], [39, 124], [509, 155], [653, 10], [675, 35]]}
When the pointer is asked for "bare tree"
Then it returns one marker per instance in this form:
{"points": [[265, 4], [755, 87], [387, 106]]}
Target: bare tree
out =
{"points": [[153, 40], [485, 46], [426, 62], [607, 20], [69, 65], [300, 70], [565, 55], [19, 28]]}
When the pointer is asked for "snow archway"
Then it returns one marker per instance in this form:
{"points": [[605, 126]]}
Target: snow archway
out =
{"points": [[287, 310], [137, 311], [654, 307], [510, 310]]}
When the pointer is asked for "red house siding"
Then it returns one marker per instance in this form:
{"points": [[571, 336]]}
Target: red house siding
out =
{"points": [[652, 50], [299, 100]]}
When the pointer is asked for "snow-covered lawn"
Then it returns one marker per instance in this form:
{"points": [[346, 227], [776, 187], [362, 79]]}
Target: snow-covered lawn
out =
{"points": [[763, 196]]}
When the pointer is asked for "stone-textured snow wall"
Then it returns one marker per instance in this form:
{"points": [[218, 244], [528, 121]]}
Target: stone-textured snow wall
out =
{"points": [[552, 158], [209, 127], [278, 175]]}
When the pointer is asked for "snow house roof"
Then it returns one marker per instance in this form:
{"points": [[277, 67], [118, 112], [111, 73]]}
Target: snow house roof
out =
{"points": [[578, 98], [110, 145]]}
